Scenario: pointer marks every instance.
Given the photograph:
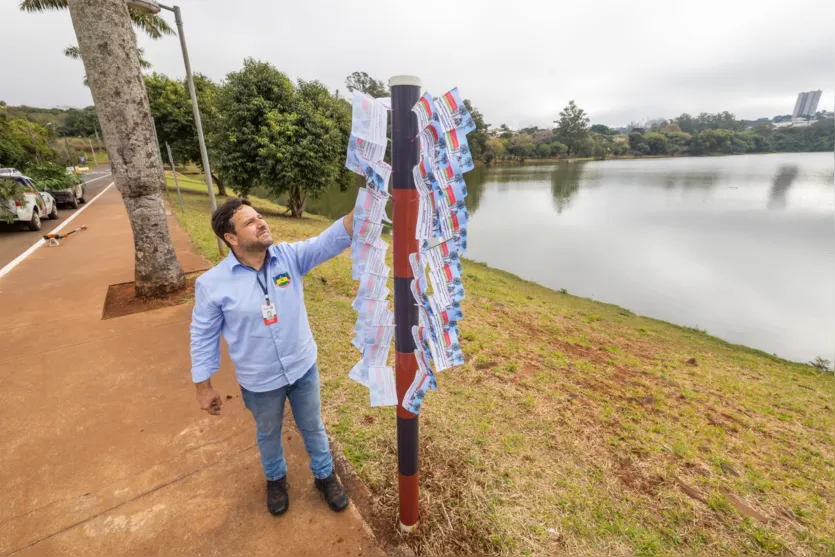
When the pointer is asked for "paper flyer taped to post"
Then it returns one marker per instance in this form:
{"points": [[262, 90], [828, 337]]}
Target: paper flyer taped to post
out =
{"points": [[446, 170], [424, 177], [432, 140], [451, 220], [377, 174], [427, 225], [440, 255], [418, 266], [373, 355], [459, 148], [381, 315], [452, 113], [447, 284], [359, 148], [367, 230], [382, 387], [425, 110], [368, 119], [367, 258], [370, 205], [372, 285]]}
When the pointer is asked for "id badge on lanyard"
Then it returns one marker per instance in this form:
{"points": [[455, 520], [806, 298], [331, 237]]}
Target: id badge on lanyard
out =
{"points": [[268, 308]]}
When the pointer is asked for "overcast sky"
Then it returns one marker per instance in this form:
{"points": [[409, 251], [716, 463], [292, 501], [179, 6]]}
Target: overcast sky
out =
{"points": [[519, 62]]}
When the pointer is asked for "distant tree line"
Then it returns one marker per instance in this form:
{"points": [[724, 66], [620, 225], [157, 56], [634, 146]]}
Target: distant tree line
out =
{"points": [[705, 134]]}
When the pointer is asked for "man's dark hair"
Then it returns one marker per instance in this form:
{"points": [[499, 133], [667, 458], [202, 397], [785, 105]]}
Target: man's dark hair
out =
{"points": [[222, 217]]}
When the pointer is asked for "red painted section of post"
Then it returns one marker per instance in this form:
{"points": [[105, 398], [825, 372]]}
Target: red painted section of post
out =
{"points": [[405, 151]]}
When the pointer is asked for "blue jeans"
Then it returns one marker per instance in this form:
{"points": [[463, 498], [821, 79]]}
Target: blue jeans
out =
{"points": [[268, 410]]}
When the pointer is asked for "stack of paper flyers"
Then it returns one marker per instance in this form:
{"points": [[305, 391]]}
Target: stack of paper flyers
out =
{"points": [[367, 144], [374, 329], [442, 219]]}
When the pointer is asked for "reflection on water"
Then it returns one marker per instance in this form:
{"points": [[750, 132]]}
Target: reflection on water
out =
{"points": [[741, 246], [783, 181], [565, 182]]}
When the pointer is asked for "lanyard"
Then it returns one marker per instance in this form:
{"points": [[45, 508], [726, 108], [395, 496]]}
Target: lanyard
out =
{"points": [[264, 284]]}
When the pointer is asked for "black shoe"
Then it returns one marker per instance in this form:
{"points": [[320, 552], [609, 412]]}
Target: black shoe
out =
{"points": [[277, 498], [333, 491]]}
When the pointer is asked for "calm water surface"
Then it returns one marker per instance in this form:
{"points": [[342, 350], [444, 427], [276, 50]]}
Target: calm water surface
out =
{"points": [[741, 246]]}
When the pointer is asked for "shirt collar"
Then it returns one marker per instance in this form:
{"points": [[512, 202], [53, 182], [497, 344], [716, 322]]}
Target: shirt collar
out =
{"points": [[232, 261]]}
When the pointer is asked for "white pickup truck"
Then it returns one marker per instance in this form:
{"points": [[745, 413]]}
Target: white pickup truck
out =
{"points": [[35, 206]]}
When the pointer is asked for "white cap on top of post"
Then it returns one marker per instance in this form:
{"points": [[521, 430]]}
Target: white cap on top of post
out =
{"points": [[404, 80]]}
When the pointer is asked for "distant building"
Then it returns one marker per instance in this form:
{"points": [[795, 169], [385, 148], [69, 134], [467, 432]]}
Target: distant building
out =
{"points": [[807, 104]]}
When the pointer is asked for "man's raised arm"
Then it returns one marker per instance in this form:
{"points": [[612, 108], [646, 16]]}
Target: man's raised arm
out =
{"points": [[330, 243]]}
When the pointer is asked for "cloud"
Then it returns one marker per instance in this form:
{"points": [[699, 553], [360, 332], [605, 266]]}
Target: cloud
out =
{"points": [[520, 63]]}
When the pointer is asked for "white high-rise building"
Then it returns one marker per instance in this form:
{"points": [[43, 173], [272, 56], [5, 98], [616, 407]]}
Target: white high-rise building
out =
{"points": [[807, 104]]}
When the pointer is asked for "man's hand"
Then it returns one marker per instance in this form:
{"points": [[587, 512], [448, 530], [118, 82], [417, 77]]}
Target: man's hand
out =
{"points": [[348, 221], [208, 398]]}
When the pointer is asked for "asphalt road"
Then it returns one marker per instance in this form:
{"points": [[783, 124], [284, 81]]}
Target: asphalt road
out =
{"points": [[16, 238]]}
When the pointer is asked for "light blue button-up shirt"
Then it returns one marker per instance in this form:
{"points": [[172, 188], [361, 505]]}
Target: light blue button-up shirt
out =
{"points": [[228, 300]]}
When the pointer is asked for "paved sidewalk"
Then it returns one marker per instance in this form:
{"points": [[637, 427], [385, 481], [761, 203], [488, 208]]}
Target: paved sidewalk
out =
{"points": [[103, 450]]}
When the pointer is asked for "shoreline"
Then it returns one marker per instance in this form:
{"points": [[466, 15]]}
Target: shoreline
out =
{"points": [[553, 160]]}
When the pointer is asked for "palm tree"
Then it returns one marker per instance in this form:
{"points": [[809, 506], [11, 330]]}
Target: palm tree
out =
{"points": [[107, 45], [75, 54], [153, 25]]}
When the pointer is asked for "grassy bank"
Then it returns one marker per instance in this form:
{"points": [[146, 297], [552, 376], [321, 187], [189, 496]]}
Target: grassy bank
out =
{"points": [[576, 427]]}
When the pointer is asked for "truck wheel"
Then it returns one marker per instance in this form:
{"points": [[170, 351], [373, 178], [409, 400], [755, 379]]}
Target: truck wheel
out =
{"points": [[74, 202], [54, 214], [35, 223]]}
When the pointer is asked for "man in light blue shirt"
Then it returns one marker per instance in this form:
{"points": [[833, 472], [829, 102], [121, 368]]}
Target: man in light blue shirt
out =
{"points": [[255, 299]]}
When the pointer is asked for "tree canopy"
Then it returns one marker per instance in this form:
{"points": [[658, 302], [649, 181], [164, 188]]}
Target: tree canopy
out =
{"points": [[572, 126], [361, 81]]}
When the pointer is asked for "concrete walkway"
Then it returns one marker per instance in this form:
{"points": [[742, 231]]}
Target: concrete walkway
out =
{"points": [[103, 450]]}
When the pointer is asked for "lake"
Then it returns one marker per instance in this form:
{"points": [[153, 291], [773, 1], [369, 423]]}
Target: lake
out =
{"points": [[740, 246]]}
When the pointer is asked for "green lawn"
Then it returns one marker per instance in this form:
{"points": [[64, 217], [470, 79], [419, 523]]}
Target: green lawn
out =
{"points": [[577, 427]]}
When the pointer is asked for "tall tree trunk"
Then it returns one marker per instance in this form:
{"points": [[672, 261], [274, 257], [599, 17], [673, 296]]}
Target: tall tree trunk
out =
{"points": [[221, 189], [108, 49]]}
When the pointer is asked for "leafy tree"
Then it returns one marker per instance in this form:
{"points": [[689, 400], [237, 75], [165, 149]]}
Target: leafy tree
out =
{"points": [[572, 126], [53, 177], [638, 143], [17, 148], [9, 191], [477, 138], [290, 140], [605, 130], [521, 146], [493, 150], [80, 123], [174, 118], [306, 146], [361, 81], [543, 150], [677, 142], [558, 148], [244, 104], [656, 142]]}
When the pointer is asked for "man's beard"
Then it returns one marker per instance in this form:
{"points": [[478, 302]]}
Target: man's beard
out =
{"points": [[260, 244]]}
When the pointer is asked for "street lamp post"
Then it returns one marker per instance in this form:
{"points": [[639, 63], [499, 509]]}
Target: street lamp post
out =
{"points": [[154, 7]]}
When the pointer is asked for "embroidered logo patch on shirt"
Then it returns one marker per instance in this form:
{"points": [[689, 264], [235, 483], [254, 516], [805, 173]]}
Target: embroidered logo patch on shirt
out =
{"points": [[282, 280]]}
